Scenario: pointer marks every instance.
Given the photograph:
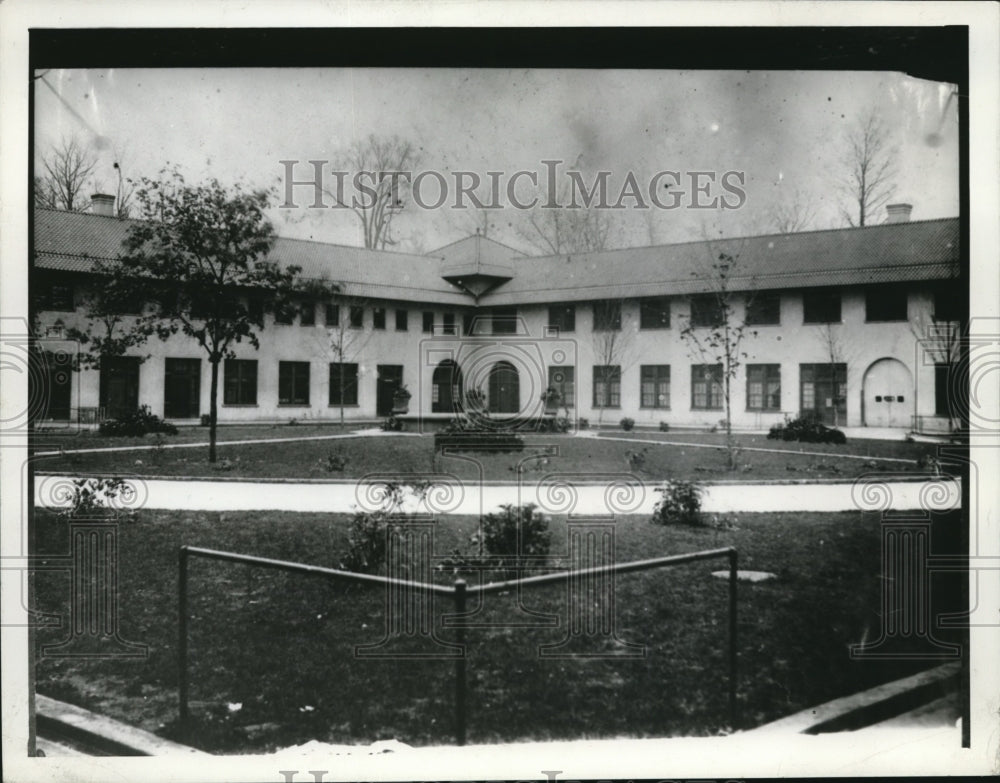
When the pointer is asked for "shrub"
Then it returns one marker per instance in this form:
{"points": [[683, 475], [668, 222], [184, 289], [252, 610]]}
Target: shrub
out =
{"points": [[583, 424], [679, 503], [99, 498], [392, 424], [137, 424], [366, 540], [806, 428], [499, 534], [335, 462], [627, 423], [206, 420], [554, 424], [664, 427]]}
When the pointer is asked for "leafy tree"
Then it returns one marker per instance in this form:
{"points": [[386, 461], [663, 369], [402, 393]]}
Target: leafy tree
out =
{"points": [[198, 263], [719, 340]]}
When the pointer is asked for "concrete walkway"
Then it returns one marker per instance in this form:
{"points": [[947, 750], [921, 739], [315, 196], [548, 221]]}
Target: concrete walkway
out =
{"points": [[456, 497]]}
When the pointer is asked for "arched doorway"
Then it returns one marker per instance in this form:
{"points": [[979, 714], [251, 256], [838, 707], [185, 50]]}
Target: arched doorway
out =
{"points": [[504, 388], [446, 388], [888, 385]]}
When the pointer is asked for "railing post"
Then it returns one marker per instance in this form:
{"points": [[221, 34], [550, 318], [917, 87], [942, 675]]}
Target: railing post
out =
{"points": [[460, 663], [733, 709], [182, 638]]}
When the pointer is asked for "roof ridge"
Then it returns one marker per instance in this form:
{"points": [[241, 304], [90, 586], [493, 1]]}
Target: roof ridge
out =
{"points": [[745, 237]]}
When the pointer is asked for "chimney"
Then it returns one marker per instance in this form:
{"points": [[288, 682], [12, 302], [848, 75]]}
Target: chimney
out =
{"points": [[102, 204], [898, 213]]}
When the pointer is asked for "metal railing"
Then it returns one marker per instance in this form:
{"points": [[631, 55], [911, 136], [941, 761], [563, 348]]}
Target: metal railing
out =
{"points": [[458, 593]]}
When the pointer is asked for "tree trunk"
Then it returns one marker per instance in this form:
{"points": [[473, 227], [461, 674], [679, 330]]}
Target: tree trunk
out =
{"points": [[341, 387], [213, 410]]}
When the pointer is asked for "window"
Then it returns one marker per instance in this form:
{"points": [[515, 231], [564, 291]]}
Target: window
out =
{"points": [[293, 383], [948, 301], [378, 318], [255, 309], [239, 382], [283, 314], [764, 387], [332, 314], [448, 323], [356, 314], [706, 386], [428, 322], [59, 296], [823, 389], [402, 324], [563, 380], [706, 310], [821, 307], [607, 316], [886, 303], [607, 386], [504, 320], [307, 313], [343, 383], [654, 313], [654, 386], [562, 317], [764, 309]]}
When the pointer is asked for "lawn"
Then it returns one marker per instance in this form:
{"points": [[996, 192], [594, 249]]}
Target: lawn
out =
{"points": [[360, 456], [281, 646]]}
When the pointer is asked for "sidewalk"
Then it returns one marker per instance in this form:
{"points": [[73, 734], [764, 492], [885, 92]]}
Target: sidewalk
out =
{"points": [[448, 498]]}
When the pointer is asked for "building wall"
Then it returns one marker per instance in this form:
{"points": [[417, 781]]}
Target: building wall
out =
{"points": [[534, 348]]}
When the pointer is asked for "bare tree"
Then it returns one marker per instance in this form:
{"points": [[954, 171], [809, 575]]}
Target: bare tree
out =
{"points": [[715, 331], [374, 161], [568, 229], [940, 336], [67, 169], [346, 338], [869, 168], [795, 212], [613, 342]]}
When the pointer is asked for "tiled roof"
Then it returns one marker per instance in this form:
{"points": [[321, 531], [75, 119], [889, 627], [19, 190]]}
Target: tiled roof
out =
{"points": [[919, 250], [924, 250], [70, 241]]}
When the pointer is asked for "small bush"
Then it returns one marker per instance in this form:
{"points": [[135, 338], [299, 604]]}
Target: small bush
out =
{"points": [[627, 423], [99, 498], [554, 424], [806, 428], [137, 424], [679, 504], [206, 420], [664, 427], [583, 424], [366, 542], [392, 424], [335, 462], [499, 534]]}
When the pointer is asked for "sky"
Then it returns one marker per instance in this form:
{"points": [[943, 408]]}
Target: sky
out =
{"points": [[783, 130]]}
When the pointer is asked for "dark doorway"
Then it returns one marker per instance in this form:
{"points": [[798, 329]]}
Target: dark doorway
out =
{"points": [[505, 390], [182, 389], [823, 390], [446, 388], [58, 385], [119, 394], [390, 378]]}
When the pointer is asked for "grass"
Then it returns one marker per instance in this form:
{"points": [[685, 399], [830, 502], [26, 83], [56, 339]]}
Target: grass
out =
{"points": [[409, 454], [282, 645], [57, 438]]}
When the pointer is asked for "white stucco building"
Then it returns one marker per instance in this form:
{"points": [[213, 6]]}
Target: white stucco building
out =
{"points": [[835, 324]]}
